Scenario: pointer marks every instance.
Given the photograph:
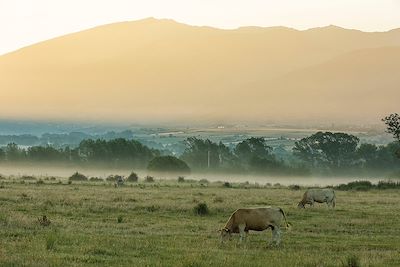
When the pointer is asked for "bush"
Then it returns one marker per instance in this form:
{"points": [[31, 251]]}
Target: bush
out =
{"points": [[28, 177], [133, 177], [95, 179], [78, 177], [168, 164], [181, 179], [114, 178], [201, 209], [149, 179], [388, 185], [40, 181], [227, 185], [356, 185], [294, 187], [203, 181], [120, 219]]}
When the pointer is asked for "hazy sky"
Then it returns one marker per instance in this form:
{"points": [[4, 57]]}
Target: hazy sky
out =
{"points": [[23, 22]]}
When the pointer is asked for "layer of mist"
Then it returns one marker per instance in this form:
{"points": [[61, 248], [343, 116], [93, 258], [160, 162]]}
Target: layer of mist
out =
{"points": [[65, 172]]}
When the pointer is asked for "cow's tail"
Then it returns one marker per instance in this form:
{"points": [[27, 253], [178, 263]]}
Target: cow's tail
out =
{"points": [[334, 199], [288, 226]]}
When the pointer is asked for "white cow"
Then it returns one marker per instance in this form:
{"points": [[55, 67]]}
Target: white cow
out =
{"points": [[318, 195]]}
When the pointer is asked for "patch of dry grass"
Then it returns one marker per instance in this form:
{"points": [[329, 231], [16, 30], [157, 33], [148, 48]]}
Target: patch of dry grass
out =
{"points": [[159, 228]]}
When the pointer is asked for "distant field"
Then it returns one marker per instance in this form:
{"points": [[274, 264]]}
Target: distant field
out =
{"points": [[153, 224]]}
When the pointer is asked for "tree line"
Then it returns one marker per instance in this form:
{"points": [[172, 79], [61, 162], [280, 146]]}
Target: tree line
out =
{"points": [[322, 152]]}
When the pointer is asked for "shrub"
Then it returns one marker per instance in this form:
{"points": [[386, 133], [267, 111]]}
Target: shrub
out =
{"points": [[120, 219], [77, 177], [40, 181], [95, 179], [388, 185], [181, 179], [169, 164], [114, 178], [227, 185], [28, 177], [356, 185], [201, 209], [133, 177], [203, 181], [149, 179], [294, 187]]}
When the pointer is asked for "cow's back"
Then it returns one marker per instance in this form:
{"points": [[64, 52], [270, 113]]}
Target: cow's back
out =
{"points": [[257, 218], [320, 195]]}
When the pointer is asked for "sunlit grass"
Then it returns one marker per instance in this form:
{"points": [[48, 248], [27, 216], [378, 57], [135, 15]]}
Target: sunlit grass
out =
{"points": [[154, 224]]}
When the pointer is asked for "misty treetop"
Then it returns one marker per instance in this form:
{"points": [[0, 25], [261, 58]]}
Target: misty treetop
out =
{"points": [[116, 152], [341, 153], [332, 150], [168, 164], [322, 153]]}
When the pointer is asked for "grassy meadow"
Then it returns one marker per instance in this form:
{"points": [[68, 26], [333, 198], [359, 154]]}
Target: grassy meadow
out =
{"points": [[154, 224]]}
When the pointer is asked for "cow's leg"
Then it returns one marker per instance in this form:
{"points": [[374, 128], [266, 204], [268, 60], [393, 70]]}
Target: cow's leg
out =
{"points": [[242, 232], [276, 235]]}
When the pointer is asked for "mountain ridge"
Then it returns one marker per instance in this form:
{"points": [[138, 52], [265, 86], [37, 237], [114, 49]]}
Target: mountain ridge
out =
{"points": [[173, 70]]}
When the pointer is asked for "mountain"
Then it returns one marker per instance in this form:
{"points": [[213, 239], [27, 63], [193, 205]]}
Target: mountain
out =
{"points": [[161, 70]]}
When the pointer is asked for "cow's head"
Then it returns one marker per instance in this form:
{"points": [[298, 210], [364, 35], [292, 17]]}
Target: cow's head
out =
{"points": [[225, 234], [301, 205]]}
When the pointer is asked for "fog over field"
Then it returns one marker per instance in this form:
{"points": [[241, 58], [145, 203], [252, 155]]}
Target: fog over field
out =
{"points": [[62, 173]]}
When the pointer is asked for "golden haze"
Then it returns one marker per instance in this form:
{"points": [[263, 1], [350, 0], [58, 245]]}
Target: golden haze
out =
{"points": [[161, 70]]}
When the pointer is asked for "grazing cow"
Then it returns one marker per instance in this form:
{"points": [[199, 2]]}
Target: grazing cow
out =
{"points": [[318, 195], [255, 219]]}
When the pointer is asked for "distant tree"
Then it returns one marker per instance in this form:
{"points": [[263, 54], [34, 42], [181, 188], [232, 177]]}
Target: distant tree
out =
{"points": [[326, 149], [256, 156], [45, 153], [78, 177], [14, 153], [386, 157], [169, 164], [367, 153], [393, 125], [133, 177], [2, 154], [116, 151], [254, 147], [204, 154]]}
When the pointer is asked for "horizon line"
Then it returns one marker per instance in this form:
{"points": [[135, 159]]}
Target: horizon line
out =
{"points": [[261, 27]]}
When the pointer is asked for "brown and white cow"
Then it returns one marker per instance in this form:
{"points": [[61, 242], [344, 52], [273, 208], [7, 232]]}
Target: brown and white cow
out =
{"points": [[255, 219], [318, 195]]}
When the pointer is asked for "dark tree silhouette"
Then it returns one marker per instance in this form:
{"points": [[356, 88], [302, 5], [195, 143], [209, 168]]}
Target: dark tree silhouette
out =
{"points": [[393, 125], [326, 149]]}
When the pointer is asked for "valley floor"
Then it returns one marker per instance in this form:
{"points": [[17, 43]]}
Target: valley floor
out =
{"points": [[154, 224]]}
